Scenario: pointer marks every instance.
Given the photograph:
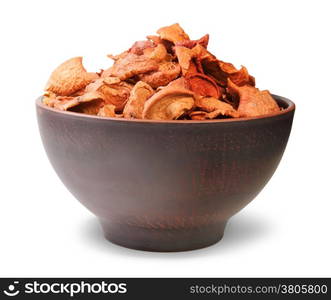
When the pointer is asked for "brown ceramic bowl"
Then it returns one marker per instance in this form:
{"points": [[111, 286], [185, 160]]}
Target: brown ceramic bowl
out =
{"points": [[169, 185]]}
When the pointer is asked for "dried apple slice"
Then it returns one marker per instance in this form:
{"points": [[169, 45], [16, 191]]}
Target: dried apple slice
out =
{"points": [[158, 53], [184, 56], [66, 103], [210, 104], [192, 43], [90, 108], [107, 110], [88, 103], [69, 77], [173, 33], [139, 47], [49, 99], [190, 59], [203, 85], [252, 101], [167, 72], [157, 40], [212, 68], [138, 96], [131, 65], [112, 90], [238, 77], [169, 103], [221, 71]]}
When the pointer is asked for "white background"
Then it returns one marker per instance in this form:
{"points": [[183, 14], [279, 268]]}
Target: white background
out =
{"points": [[285, 231]]}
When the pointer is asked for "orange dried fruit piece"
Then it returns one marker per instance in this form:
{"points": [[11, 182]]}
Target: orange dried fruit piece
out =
{"points": [[186, 57], [210, 65], [49, 99], [69, 77], [139, 47], [173, 33], [90, 108], [107, 110], [138, 96], [158, 53], [218, 107], [252, 101], [192, 43], [157, 40], [203, 85], [130, 65], [88, 103], [239, 77], [190, 59], [112, 90], [170, 103], [221, 71], [167, 72], [65, 102]]}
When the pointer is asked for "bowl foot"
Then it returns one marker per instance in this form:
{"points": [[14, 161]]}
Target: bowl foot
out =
{"points": [[162, 240]]}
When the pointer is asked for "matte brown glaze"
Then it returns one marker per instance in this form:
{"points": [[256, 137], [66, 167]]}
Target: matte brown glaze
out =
{"points": [[164, 186]]}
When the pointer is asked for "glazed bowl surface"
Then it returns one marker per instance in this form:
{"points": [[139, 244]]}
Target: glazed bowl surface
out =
{"points": [[164, 185]]}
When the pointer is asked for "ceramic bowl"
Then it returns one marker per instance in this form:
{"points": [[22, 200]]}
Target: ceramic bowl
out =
{"points": [[164, 185]]}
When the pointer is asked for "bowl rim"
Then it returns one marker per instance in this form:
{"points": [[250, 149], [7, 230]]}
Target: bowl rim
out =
{"points": [[290, 108]]}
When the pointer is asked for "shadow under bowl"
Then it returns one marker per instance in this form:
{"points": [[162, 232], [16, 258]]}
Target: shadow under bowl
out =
{"points": [[164, 185]]}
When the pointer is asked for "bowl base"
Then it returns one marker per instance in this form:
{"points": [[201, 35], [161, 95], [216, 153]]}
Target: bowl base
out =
{"points": [[162, 240]]}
